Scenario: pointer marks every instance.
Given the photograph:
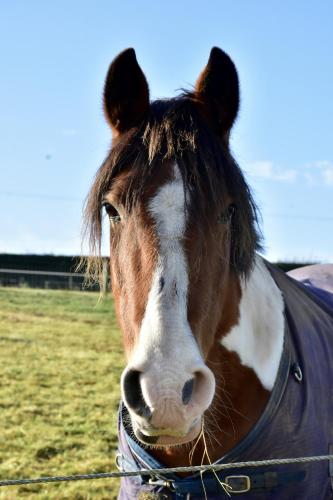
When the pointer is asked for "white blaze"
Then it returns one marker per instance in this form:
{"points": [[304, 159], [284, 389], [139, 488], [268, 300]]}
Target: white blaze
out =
{"points": [[166, 348], [258, 336]]}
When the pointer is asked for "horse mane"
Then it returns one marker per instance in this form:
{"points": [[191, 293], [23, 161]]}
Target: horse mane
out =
{"points": [[175, 130]]}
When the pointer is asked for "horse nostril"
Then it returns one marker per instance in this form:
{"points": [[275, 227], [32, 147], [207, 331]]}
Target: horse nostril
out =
{"points": [[133, 394], [187, 391]]}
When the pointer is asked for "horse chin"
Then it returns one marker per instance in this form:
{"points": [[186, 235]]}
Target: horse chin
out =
{"points": [[167, 437]]}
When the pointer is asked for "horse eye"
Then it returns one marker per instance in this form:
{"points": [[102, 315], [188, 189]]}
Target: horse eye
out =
{"points": [[111, 211], [226, 216], [231, 210]]}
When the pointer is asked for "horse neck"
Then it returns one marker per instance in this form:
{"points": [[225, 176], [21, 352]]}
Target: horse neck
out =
{"points": [[245, 360]]}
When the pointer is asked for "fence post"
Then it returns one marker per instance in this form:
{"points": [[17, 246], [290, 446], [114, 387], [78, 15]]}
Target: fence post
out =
{"points": [[105, 277]]}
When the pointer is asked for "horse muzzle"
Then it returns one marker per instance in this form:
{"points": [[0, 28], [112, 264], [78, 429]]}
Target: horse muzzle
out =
{"points": [[167, 436], [167, 410]]}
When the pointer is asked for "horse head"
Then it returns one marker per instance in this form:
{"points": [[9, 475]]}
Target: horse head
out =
{"points": [[182, 234]]}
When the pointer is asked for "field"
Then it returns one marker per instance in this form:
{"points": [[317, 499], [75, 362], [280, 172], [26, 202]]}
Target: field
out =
{"points": [[60, 364]]}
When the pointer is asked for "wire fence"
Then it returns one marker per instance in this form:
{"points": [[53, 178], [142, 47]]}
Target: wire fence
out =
{"points": [[170, 470], [26, 278], [41, 279]]}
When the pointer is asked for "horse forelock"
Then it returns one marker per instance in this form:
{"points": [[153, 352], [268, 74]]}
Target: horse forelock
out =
{"points": [[176, 132]]}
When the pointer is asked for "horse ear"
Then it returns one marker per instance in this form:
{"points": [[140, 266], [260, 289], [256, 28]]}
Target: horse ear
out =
{"points": [[217, 90], [126, 93]]}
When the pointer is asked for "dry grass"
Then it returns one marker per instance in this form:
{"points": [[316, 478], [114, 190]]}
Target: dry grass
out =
{"points": [[60, 364]]}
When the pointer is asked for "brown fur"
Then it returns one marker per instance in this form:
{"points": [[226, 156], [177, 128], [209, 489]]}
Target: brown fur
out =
{"points": [[133, 251]]}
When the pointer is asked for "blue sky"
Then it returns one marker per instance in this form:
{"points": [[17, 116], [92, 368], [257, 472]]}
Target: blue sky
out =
{"points": [[54, 56]]}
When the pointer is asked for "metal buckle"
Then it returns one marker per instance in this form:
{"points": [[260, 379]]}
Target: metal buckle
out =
{"points": [[119, 460], [160, 481], [238, 484]]}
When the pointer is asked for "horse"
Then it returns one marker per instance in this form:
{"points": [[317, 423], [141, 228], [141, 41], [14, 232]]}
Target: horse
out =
{"points": [[228, 358]]}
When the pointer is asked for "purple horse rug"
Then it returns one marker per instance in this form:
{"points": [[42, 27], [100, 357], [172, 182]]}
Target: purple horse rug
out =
{"points": [[297, 421]]}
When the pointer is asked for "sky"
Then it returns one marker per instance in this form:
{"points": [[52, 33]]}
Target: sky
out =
{"points": [[53, 135]]}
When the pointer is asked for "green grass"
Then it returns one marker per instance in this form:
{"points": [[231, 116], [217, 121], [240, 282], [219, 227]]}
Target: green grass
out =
{"points": [[60, 364]]}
